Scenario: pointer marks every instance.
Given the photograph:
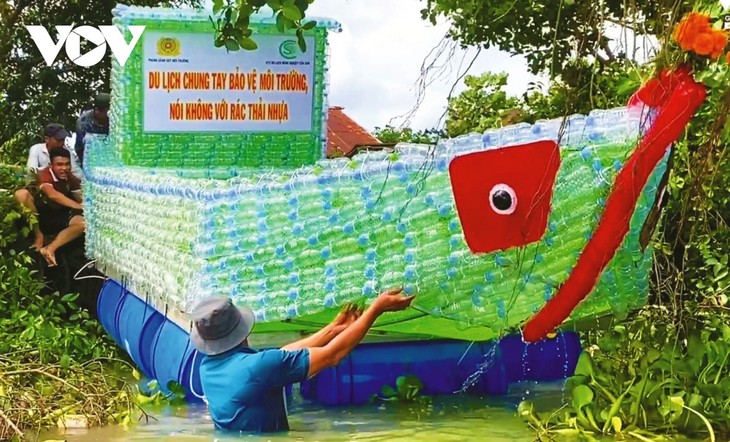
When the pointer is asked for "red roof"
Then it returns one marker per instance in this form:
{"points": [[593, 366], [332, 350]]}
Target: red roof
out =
{"points": [[344, 135]]}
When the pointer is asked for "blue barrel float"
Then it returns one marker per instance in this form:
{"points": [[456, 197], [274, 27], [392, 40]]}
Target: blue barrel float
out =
{"points": [[162, 351], [159, 347]]}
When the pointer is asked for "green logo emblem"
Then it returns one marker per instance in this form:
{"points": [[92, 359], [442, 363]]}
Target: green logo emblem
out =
{"points": [[288, 49]]}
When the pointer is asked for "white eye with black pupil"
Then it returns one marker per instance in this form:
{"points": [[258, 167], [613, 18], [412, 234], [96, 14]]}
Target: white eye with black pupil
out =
{"points": [[503, 199]]}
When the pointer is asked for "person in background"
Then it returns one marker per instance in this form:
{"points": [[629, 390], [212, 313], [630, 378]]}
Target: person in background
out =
{"points": [[54, 136], [92, 121], [244, 388], [58, 205]]}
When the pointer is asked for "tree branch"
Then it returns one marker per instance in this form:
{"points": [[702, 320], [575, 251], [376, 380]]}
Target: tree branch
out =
{"points": [[10, 25], [12, 425], [602, 60], [22, 4], [609, 52], [623, 25]]}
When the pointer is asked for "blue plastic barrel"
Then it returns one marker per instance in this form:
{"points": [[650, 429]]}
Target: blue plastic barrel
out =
{"points": [[190, 377], [554, 358], [163, 351], [146, 345], [135, 317], [442, 366], [107, 306], [169, 354], [546, 360]]}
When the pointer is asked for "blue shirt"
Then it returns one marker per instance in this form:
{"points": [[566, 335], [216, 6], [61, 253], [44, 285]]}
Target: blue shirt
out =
{"points": [[87, 124], [244, 387]]}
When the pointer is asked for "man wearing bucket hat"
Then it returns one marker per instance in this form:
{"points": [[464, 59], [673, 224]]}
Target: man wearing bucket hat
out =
{"points": [[244, 387]]}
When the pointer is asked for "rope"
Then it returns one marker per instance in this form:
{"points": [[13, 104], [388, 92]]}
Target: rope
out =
{"points": [[88, 265]]}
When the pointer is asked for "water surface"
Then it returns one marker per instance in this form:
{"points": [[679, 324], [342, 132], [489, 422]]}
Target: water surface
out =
{"points": [[449, 418]]}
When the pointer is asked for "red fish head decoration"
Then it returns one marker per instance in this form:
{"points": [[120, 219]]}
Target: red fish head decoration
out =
{"points": [[507, 190]]}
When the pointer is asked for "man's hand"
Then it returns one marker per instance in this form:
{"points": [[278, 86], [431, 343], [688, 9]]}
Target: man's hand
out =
{"points": [[345, 318], [39, 241], [392, 301], [331, 354]]}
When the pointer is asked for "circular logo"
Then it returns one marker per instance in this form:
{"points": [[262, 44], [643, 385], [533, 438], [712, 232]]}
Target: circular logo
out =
{"points": [[73, 46], [168, 47], [288, 49]]}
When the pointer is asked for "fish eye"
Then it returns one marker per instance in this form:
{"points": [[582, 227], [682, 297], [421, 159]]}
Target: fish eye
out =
{"points": [[503, 199]]}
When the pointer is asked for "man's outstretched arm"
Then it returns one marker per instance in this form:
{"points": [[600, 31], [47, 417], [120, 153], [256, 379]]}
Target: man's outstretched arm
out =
{"points": [[340, 346], [346, 317], [59, 198]]}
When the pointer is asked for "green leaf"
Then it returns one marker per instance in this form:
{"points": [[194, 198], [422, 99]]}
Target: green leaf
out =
{"points": [[309, 25], [652, 355], [274, 4], [408, 386], [282, 23], [292, 12], [245, 10], [65, 361], [136, 374], [387, 391], [617, 424], [676, 403], [300, 40], [217, 6], [301, 4], [582, 396], [176, 389], [242, 22], [70, 297], [696, 351], [726, 333], [247, 43], [28, 333], [695, 400], [584, 366], [232, 45], [525, 409]]}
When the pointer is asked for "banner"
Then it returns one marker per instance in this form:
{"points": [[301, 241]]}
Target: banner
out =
{"points": [[192, 86]]}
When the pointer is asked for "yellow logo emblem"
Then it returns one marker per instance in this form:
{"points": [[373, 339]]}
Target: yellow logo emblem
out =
{"points": [[168, 47]]}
